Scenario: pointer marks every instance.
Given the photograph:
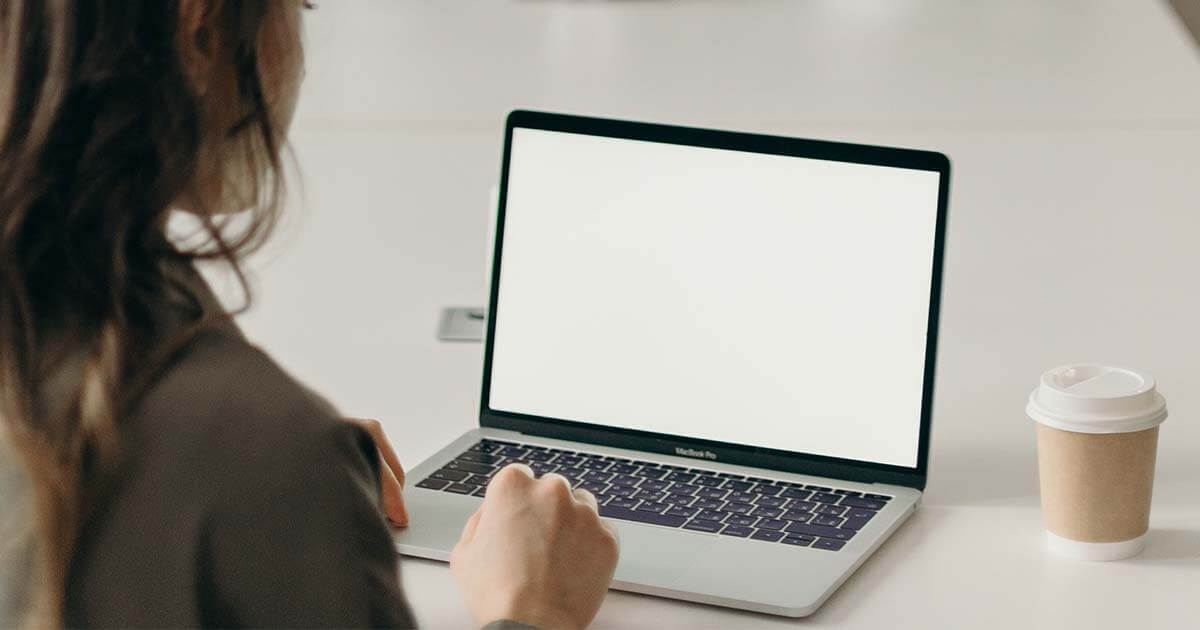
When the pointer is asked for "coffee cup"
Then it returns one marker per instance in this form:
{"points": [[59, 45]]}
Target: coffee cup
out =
{"points": [[1097, 429]]}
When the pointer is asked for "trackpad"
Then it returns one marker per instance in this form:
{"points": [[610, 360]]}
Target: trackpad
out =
{"points": [[655, 555]]}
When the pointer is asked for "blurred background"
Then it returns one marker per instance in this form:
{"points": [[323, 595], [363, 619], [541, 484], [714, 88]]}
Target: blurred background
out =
{"points": [[1072, 126]]}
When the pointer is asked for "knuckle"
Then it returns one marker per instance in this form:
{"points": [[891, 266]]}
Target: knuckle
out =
{"points": [[555, 492], [507, 476], [586, 502], [607, 543]]}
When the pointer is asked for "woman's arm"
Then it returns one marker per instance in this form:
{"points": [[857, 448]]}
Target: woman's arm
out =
{"points": [[302, 543]]}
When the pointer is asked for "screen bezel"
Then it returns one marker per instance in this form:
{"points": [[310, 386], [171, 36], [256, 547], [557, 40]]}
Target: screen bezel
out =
{"points": [[760, 457]]}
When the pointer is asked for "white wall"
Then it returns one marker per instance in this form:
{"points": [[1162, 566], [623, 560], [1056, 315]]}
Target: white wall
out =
{"points": [[1072, 126]]}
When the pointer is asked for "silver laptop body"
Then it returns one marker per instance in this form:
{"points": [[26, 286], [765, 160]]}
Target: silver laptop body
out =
{"points": [[630, 349]]}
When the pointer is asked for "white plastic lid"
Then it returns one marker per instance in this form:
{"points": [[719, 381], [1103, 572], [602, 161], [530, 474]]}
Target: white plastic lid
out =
{"points": [[1090, 398]]}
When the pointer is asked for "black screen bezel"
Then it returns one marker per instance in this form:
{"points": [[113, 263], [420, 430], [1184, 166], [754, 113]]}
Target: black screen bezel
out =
{"points": [[760, 457]]}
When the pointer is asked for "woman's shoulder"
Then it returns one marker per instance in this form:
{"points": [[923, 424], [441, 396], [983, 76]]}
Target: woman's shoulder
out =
{"points": [[225, 402], [262, 502]]}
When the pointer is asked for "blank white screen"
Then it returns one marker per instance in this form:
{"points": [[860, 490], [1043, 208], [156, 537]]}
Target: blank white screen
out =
{"points": [[753, 299]]}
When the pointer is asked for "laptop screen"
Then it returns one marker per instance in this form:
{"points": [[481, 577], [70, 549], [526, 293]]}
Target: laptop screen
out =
{"points": [[746, 298]]}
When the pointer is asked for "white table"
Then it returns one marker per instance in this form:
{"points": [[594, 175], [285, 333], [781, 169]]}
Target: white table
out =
{"points": [[1073, 129]]}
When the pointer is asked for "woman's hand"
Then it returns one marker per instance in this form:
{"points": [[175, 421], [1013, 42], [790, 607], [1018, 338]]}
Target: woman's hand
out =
{"points": [[391, 474], [535, 552]]}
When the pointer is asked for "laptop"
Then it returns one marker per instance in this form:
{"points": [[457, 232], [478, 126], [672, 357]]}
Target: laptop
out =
{"points": [[728, 338]]}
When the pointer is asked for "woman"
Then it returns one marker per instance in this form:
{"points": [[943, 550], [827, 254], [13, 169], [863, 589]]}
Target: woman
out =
{"points": [[158, 470]]}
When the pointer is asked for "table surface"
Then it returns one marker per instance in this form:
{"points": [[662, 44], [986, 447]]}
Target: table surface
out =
{"points": [[1072, 127]]}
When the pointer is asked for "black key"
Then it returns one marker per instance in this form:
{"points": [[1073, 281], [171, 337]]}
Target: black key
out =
{"points": [[738, 508], [877, 497], [767, 534], [820, 530], [450, 475], [514, 451], [500, 442], [471, 467], [433, 484], [479, 458], [712, 493], [595, 475], [534, 447], [680, 511], [610, 511], [793, 493], [829, 497], [624, 480], [623, 469], [797, 515], [595, 464], [572, 473], [766, 489], [672, 467], [654, 484], [801, 505], [701, 471], [832, 545], [710, 515], [818, 488], [708, 504], [680, 476], [741, 497], [486, 447], [538, 456], [652, 506], [861, 513], [740, 519], [678, 499], [568, 460], [740, 486], [701, 525], [832, 510], [707, 481], [683, 488], [770, 501], [623, 502], [768, 512], [621, 460], [596, 487], [848, 493], [771, 523], [855, 523], [830, 521], [622, 491], [730, 476], [863, 503], [461, 488], [479, 480], [480, 492], [650, 495], [737, 530], [799, 541], [652, 473], [541, 468]]}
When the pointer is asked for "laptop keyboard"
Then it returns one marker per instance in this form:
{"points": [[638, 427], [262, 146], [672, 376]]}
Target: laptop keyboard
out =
{"points": [[695, 499]]}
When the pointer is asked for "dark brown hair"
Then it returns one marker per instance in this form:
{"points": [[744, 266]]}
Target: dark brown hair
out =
{"points": [[101, 131]]}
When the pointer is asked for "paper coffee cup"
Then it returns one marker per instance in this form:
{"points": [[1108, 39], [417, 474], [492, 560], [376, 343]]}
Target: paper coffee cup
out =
{"points": [[1097, 442]]}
